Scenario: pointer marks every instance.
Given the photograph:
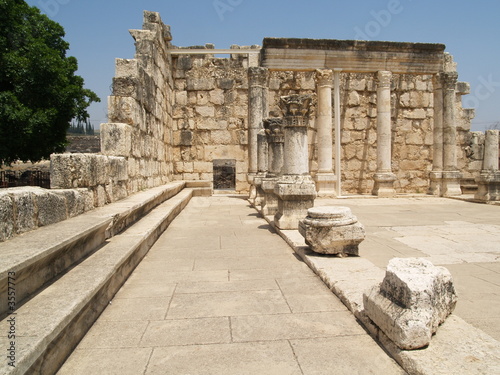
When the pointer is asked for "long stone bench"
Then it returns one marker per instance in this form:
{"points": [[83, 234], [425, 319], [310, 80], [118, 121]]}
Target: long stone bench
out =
{"points": [[52, 322], [36, 257]]}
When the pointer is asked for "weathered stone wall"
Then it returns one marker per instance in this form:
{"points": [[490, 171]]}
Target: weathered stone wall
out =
{"points": [[210, 116], [105, 177], [140, 108], [412, 104], [27, 208]]}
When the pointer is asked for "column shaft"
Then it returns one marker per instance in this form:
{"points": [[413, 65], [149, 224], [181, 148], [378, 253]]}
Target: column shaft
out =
{"points": [[384, 130], [324, 124], [257, 111], [384, 178], [451, 175]]}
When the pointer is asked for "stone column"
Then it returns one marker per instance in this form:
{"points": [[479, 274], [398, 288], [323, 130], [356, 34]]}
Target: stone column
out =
{"points": [[436, 175], [262, 165], [325, 178], [276, 140], [489, 180], [296, 190], [257, 111], [451, 175], [384, 178]]}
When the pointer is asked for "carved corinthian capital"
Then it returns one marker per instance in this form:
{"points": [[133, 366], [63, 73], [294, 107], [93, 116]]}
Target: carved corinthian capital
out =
{"points": [[449, 80], [384, 79], [258, 76], [296, 105], [274, 129], [324, 77]]}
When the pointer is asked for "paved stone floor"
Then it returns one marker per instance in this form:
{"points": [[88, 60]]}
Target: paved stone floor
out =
{"points": [[220, 293], [461, 236]]}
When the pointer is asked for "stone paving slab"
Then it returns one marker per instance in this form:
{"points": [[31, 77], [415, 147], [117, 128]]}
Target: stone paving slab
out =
{"points": [[247, 306]]}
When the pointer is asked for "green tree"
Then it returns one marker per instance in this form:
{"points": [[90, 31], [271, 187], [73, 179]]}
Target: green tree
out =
{"points": [[39, 91]]}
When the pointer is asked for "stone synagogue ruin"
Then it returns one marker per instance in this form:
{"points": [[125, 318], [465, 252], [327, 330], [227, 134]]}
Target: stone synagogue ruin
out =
{"points": [[380, 118]]}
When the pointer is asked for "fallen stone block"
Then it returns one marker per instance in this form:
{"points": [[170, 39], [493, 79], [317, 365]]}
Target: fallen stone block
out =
{"points": [[332, 230], [414, 298]]}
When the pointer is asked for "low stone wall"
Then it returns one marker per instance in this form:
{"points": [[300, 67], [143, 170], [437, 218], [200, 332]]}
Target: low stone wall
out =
{"points": [[27, 208], [106, 177]]}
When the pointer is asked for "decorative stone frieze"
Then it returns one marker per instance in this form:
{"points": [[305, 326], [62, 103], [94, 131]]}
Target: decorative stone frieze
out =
{"points": [[332, 230], [414, 298]]}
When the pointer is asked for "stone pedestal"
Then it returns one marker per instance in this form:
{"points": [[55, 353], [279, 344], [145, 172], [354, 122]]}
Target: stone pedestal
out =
{"points": [[276, 140], [270, 203], [332, 230], [296, 194], [384, 184], [384, 178], [296, 190], [325, 178], [489, 180], [326, 184], [412, 301], [262, 166]]}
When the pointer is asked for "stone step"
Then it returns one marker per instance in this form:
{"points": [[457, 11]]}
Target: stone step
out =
{"points": [[49, 326], [37, 257]]}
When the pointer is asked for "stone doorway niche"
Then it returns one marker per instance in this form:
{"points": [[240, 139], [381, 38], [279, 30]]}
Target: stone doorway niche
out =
{"points": [[225, 174]]}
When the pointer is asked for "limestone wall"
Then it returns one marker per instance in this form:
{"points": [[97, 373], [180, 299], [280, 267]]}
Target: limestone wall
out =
{"points": [[210, 116], [412, 127], [27, 208], [139, 111]]}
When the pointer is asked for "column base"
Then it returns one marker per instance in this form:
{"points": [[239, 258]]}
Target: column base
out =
{"points": [[296, 195], [326, 185], [435, 183], [270, 203], [384, 185], [259, 193], [253, 191], [488, 186], [451, 184]]}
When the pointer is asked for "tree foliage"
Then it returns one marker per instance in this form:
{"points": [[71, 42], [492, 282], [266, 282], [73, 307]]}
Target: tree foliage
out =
{"points": [[39, 91]]}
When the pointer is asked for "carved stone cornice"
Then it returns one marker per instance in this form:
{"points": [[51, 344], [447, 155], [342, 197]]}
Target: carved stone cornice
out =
{"points": [[324, 77], [296, 105], [384, 78], [258, 76], [448, 80]]}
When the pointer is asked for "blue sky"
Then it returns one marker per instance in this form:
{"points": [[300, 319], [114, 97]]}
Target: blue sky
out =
{"points": [[98, 33]]}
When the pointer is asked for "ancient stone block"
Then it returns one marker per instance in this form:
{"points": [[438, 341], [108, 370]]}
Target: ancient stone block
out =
{"points": [[6, 217], [197, 84], [217, 97], [205, 111], [414, 298], [332, 230], [181, 98], [51, 208], [116, 139], [25, 204]]}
